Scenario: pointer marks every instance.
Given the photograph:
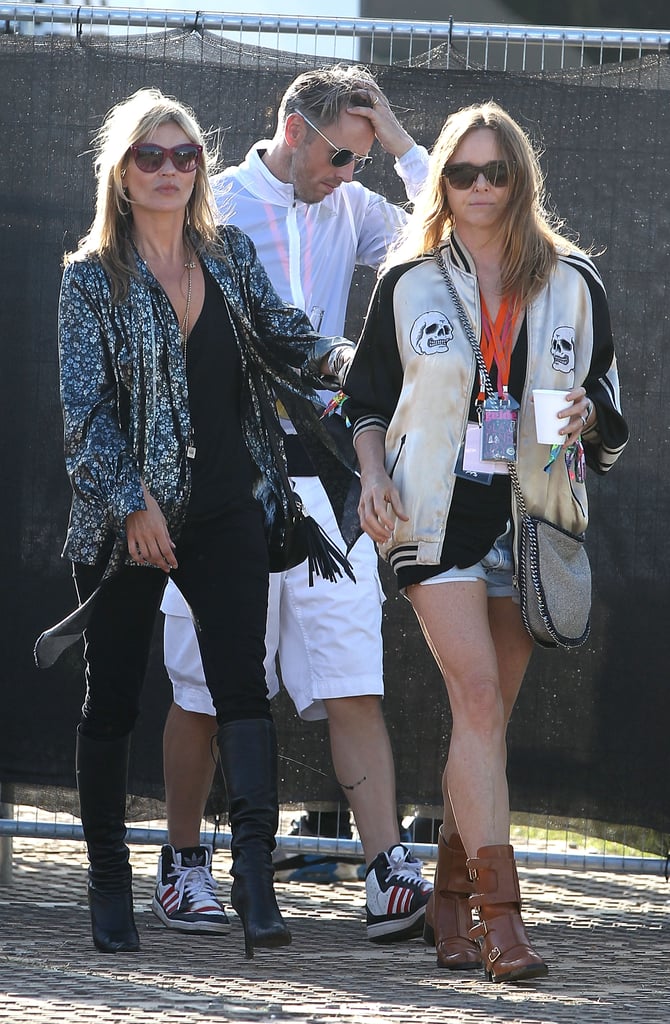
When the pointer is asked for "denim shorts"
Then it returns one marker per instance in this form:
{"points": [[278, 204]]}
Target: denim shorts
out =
{"points": [[496, 569]]}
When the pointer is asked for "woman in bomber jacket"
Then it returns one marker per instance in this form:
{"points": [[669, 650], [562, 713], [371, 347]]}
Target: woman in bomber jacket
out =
{"points": [[441, 512], [169, 334]]}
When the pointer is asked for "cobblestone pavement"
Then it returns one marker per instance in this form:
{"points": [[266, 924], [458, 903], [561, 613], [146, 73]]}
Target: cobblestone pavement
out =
{"points": [[605, 937]]}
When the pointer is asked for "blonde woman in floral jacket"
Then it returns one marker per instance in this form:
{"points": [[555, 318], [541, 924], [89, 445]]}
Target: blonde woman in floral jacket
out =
{"points": [[169, 335]]}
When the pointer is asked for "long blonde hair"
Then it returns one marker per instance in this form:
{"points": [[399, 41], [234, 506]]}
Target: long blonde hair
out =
{"points": [[530, 233], [109, 237]]}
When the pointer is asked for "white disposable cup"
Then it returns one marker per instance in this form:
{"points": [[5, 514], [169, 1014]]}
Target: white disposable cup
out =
{"points": [[547, 406]]}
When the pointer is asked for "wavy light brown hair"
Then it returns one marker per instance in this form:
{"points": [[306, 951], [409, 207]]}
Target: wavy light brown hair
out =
{"points": [[531, 235], [323, 94], [109, 237]]}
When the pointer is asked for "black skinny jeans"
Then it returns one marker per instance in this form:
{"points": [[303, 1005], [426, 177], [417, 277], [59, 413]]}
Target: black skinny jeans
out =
{"points": [[223, 574]]}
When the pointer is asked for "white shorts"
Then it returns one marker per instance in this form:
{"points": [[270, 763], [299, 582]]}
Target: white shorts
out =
{"points": [[327, 638]]}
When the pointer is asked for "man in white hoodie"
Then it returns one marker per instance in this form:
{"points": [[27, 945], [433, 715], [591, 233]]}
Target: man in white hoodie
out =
{"points": [[312, 222]]}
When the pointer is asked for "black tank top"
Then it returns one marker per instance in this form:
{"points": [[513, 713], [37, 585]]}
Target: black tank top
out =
{"points": [[222, 471]]}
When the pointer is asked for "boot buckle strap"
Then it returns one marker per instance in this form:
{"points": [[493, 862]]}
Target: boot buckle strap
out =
{"points": [[478, 931], [493, 955]]}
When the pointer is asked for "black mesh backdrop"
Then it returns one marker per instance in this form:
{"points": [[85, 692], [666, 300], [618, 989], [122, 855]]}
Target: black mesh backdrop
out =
{"points": [[589, 736]]}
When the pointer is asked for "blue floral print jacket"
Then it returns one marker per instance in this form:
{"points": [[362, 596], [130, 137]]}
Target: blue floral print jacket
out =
{"points": [[124, 391]]}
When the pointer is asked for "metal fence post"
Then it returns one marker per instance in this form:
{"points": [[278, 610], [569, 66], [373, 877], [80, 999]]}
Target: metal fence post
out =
{"points": [[6, 842]]}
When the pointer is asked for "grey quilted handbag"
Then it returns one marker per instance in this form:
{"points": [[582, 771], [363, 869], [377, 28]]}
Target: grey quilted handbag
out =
{"points": [[554, 580]]}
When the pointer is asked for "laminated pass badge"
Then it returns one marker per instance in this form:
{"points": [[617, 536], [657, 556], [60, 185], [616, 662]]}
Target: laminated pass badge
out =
{"points": [[499, 419], [498, 413]]}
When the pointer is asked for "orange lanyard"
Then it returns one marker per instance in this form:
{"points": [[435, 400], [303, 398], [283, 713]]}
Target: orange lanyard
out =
{"points": [[496, 343]]}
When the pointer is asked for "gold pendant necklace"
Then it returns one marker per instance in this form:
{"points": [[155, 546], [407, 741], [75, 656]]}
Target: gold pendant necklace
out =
{"points": [[183, 334], [183, 330], [189, 266]]}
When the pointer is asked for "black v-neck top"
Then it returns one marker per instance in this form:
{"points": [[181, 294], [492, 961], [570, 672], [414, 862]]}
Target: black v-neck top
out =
{"points": [[222, 470]]}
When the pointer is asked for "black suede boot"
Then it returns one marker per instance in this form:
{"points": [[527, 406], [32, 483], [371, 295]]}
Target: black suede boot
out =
{"points": [[249, 761], [102, 777]]}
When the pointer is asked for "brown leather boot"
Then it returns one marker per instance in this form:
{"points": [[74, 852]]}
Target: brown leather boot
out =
{"points": [[506, 950], [448, 914]]}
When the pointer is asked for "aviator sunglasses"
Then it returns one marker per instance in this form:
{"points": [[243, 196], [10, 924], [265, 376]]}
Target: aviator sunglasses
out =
{"points": [[341, 157], [462, 176], [150, 157]]}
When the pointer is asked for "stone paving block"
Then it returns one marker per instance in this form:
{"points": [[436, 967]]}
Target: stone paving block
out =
{"points": [[605, 937]]}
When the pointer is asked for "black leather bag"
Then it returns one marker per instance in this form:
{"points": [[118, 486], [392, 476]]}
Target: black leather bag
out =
{"points": [[287, 543], [297, 538], [293, 536]]}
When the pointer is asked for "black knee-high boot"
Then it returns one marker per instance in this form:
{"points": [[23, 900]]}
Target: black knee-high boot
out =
{"points": [[102, 777], [249, 761]]}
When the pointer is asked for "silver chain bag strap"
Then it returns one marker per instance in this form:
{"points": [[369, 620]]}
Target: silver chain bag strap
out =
{"points": [[553, 574]]}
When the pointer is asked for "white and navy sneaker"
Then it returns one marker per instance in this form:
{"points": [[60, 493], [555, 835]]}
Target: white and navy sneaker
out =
{"points": [[396, 896], [185, 897]]}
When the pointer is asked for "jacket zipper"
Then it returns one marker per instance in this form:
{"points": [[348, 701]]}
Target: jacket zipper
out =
{"points": [[395, 461]]}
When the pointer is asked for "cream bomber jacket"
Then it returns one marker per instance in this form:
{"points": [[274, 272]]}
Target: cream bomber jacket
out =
{"points": [[412, 378]]}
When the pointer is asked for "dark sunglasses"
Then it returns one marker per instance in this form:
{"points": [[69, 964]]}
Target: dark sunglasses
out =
{"points": [[341, 157], [496, 172], [150, 157]]}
